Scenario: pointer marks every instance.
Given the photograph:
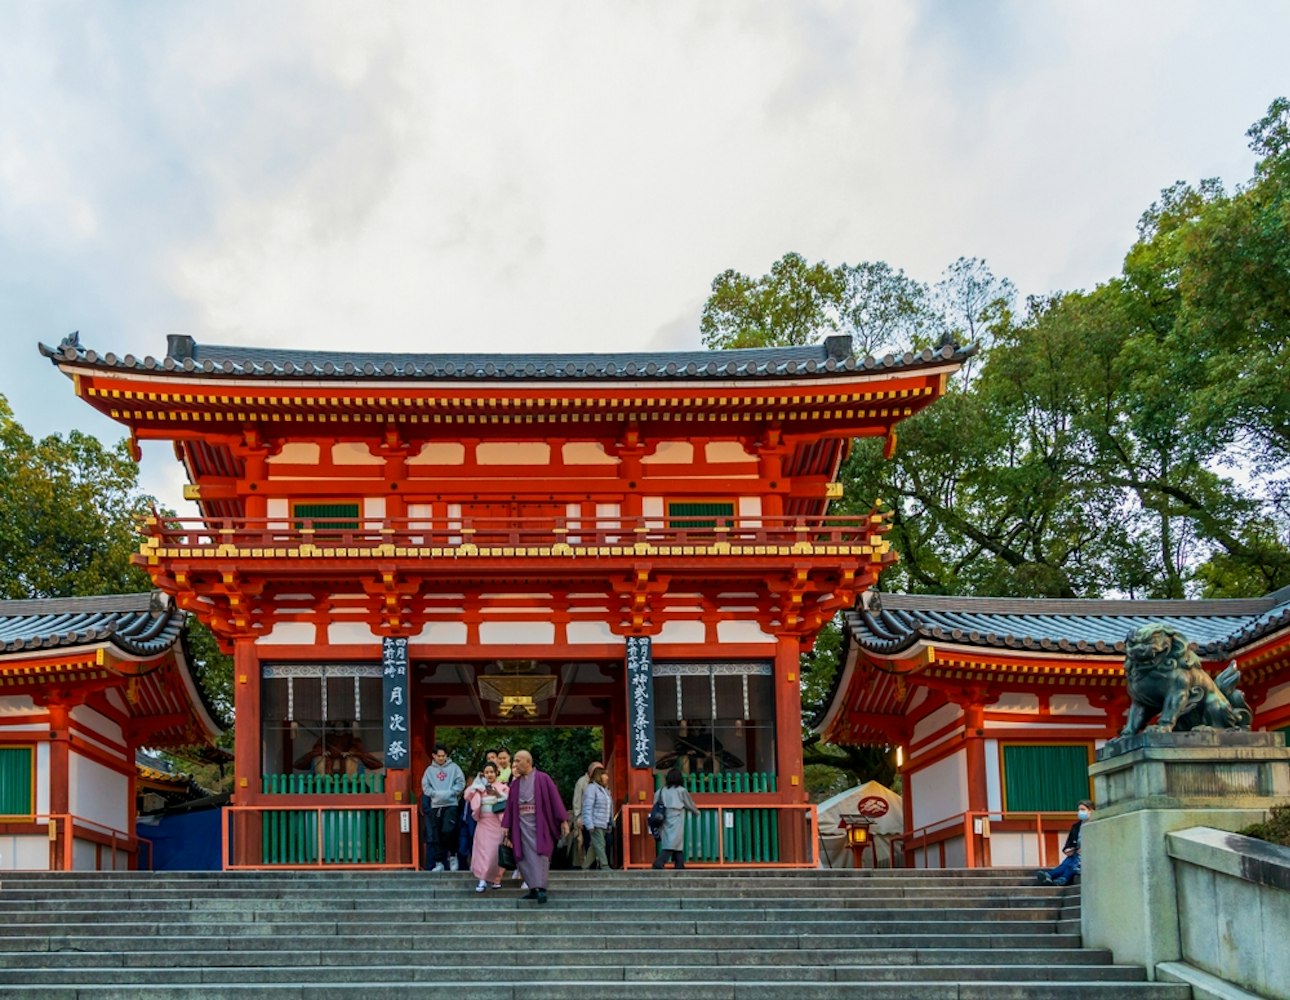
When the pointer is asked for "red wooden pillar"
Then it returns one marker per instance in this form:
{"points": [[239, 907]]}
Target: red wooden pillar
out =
{"points": [[246, 749], [794, 845], [978, 800], [60, 776]]}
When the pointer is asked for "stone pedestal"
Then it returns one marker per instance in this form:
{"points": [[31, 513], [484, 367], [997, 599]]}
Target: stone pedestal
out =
{"points": [[1144, 787]]}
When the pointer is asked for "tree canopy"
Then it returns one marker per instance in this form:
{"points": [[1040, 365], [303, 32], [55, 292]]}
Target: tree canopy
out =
{"points": [[1131, 440], [68, 509]]}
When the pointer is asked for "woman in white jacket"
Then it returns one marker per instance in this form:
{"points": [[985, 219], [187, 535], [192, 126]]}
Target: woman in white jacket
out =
{"points": [[597, 814]]}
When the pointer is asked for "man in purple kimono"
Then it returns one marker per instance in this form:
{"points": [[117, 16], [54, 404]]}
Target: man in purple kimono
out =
{"points": [[534, 820]]}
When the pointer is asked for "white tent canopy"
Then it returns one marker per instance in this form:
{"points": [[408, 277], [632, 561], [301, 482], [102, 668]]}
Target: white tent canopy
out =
{"points": [[878, 804]]}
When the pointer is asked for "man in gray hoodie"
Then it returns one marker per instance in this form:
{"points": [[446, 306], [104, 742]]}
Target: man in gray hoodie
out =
{"points": [[441, 788]]}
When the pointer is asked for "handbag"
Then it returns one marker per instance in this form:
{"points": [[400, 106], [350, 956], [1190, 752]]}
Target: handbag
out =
{"points": [[657, 817], [499, 806], [506, 857]]}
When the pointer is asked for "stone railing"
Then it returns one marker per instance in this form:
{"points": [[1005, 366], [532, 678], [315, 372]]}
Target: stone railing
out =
{"points": [[1233, 896]]}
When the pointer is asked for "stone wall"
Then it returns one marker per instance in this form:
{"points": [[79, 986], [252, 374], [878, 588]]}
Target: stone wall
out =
{"points": [[1233, 897]]}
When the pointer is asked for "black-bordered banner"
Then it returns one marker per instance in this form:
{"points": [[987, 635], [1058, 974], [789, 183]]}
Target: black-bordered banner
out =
{"points": [[394, 686], [640, 701]]}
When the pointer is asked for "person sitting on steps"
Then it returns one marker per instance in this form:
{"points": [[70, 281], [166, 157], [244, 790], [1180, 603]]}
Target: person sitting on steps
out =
{"points": [[1068, 871]]}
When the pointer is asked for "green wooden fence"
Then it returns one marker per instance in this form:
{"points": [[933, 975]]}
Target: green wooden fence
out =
{"points": [[349, 836], [323, 784], [746, 836], [727, 783]]}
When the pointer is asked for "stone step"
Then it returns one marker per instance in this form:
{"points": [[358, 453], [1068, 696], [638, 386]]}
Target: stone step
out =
{"points": [[441, 973], [570, 939], [614, 990], [509, 909], [635, 957]]}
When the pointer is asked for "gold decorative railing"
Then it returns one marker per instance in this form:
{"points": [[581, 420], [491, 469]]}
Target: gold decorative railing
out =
{"points": [[482, 537]]}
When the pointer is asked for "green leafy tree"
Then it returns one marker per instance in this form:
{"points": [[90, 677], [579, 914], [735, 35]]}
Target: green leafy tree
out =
{"points": [[563, 753], [66, 515], [792, 304]]}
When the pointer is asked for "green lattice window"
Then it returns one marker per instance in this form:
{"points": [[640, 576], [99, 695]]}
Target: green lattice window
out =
{"points": [[1285, 732], [1044, 778], [16, 781], [704, 514], [327, 516]]}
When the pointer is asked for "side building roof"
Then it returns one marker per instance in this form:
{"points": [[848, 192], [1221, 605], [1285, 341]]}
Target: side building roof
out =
{"points": [[92, 644], [927, 638]]}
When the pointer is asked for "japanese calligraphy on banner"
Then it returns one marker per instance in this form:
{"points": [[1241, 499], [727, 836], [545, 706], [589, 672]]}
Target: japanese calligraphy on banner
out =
{"points": [[640, 701], [394, 687]]}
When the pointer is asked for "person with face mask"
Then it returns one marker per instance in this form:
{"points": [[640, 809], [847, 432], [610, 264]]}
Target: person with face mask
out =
{"points": [[1068, 870]]}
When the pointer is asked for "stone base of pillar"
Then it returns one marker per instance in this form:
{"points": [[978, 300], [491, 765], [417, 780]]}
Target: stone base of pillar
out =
{"points": [[1145, 786]]}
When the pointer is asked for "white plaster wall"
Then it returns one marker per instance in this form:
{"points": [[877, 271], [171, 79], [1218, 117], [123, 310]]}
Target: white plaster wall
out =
{"points": [[26, 852], [42, 778], [1015, 702], [750, 511], [1073, 704], [289, 634], [741, 631], [440, 453], [351, 632], [1015, 850], [442, 633], [583, 632], [374, 511], [939, 790], [97, 723], [97, 793], [586, 453], [993, 779], [513, 453], [671, 451], [939, 719], [354, 453], [681, 632], [1277, 697], [278, 507], [496, 633], [725, 451], [956, 853], [19, 704], [297, 453]]}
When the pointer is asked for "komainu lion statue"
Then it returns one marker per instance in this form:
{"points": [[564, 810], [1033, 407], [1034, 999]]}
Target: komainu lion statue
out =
{"points": [[1165, 676]]}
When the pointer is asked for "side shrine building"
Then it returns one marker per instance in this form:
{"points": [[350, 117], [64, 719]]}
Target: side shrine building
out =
{"points": [[85, 682], [388, 543], [998, 705]]}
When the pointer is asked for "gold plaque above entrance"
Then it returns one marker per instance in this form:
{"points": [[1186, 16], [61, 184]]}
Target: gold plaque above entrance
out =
{"points": [[517, 690]]}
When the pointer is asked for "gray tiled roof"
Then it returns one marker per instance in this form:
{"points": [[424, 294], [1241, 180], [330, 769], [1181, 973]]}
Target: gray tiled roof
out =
{"points": [[832, 357], [896, 622], [139, 624]]}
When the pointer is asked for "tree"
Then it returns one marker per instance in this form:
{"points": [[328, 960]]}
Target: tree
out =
{"points": [[67, 506], [791, 305], [563, 753], [68, 511]]}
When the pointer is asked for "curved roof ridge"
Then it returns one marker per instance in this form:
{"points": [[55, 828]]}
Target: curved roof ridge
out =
{"points": [[1120, 608]]}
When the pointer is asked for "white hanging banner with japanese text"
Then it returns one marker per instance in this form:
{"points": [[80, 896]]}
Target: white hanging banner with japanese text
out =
{"points": [[394, 675], [640, 701]]}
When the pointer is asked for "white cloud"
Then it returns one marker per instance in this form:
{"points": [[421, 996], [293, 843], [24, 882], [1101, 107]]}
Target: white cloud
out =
{"points": [[572, 176]]}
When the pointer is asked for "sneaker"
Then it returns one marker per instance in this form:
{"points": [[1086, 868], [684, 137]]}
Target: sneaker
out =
{"points": [[1043, 878], [437, 868], [452, 863], [482, 886], [541, 895], [495, 885], [515, 873], [525, 885], [531, 894]]}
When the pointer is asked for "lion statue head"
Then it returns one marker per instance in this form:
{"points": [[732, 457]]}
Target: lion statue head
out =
{"points": [[1158, 648]]}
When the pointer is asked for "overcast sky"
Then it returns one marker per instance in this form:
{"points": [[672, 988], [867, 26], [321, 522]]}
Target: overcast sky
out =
{"points": [[570, 176]]}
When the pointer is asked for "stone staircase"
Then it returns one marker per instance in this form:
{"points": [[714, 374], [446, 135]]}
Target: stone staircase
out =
{"points": [[912, 935]]}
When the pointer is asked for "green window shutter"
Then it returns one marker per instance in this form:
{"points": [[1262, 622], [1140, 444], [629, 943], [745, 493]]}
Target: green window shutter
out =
{"points": [[15, 781], [1044, 778], [688, 514], [337, 516], [1285, 732]]}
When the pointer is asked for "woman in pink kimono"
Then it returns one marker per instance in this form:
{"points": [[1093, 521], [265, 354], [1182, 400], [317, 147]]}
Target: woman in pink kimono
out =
{"points": [[483, 795]]}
